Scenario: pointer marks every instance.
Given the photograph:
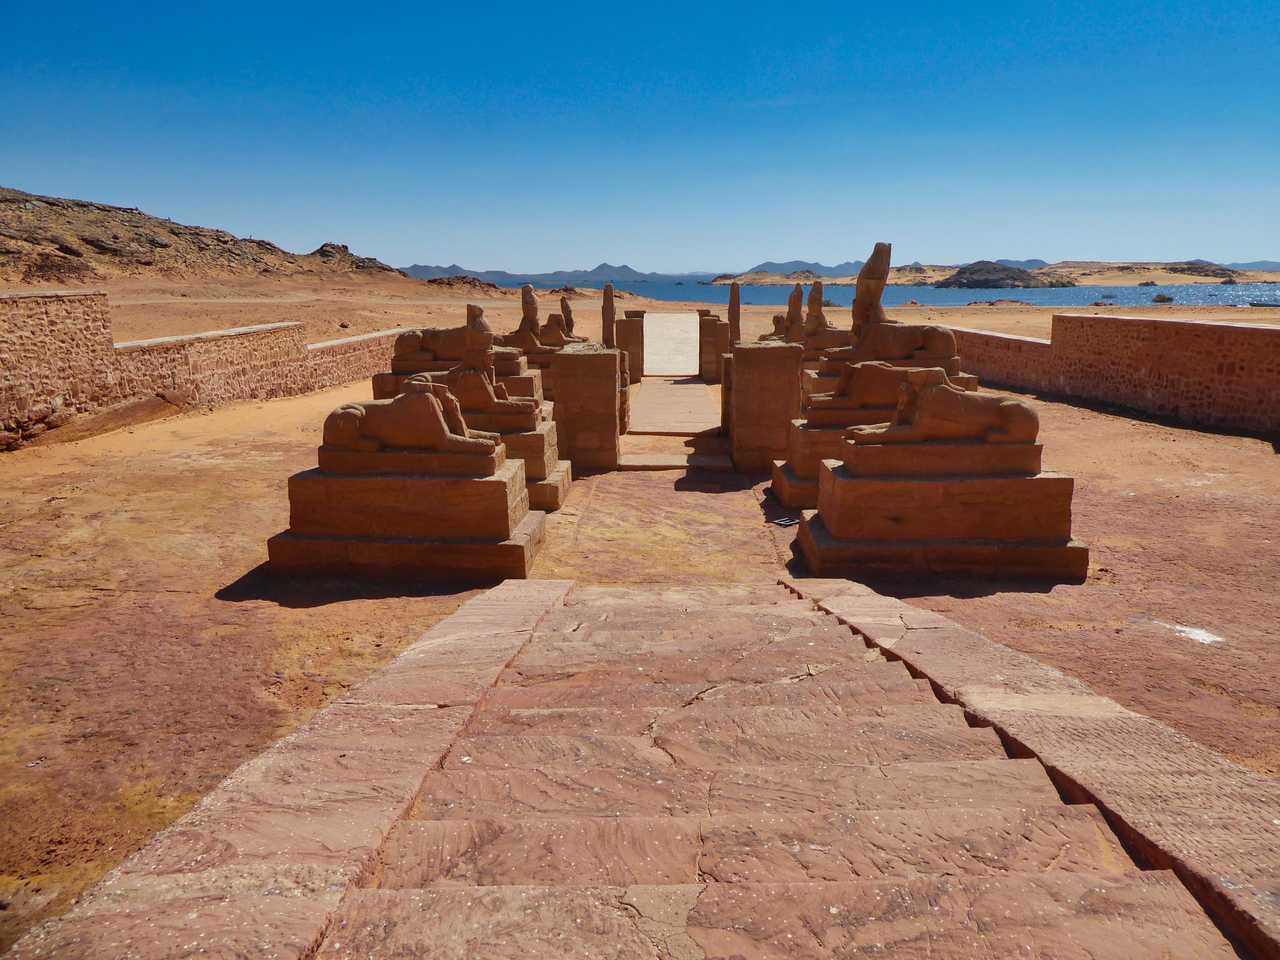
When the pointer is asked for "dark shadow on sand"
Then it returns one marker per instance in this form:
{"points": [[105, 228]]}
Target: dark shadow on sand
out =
{"points": [[300, 592]]}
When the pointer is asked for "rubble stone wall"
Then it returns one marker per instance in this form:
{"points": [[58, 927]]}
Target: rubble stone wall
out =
{"points": [[1202, 373], [57, 359]]}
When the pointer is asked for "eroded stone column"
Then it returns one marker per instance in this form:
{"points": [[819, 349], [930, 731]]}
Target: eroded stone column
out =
{"points": [[765, 399], [587, 411]]}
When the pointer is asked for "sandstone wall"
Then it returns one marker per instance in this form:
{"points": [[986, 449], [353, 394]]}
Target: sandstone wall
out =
{"points": [[1208, 374], [57, 359]]}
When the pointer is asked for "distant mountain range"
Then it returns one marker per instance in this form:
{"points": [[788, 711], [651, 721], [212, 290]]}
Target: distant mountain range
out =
{"points": [[846, 269], [776, 272], [604, 273], [1023, 264]]}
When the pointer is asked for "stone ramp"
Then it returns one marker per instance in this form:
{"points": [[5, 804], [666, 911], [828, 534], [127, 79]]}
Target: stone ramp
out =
{"points": [[657, 772]]}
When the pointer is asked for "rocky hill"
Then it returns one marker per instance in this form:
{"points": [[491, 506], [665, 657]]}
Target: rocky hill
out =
{"points": [[987, 274], [54, 240]]}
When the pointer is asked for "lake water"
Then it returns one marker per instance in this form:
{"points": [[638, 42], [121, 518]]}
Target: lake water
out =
{"points": [[1188, 294]]}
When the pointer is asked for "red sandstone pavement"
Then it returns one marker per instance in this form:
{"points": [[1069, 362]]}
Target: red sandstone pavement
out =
{"points": [[667, 772]]}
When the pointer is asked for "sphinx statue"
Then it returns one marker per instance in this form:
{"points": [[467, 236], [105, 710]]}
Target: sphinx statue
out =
{"points": [[876, 337], [566, 311], [438, 348], [424, 419], [789, 326], [873, 387], [819, 334], [483, 400], [932, 409], [526, 336]]}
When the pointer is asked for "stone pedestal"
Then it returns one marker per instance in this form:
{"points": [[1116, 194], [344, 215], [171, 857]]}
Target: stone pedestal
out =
{"points": [[714, 340], [402, 523], [977, 509], [587, 407], [629, 333], [764, 400], [624, 392], [548, 477], [726, 394]]}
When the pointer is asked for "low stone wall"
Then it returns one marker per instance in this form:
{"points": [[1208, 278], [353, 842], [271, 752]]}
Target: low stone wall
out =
{"points": [[58, 359], [1222, 375], [55, 361]]}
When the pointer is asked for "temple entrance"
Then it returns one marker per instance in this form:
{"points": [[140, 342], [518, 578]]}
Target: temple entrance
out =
{"points": [[670, 344]]}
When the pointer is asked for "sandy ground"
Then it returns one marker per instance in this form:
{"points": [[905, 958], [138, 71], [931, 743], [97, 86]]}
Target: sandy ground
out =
{"points": [[145, 655]]}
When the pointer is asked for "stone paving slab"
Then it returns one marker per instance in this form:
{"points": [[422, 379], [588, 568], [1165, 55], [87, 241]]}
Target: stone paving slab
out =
{"points": [[674, 407], [536, 787], [1178, 804], [1064, 916], [759, 848]]}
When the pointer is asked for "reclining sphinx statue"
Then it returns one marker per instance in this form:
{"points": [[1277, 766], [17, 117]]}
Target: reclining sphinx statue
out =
{"points": [[558, 330], [871, 384], [426, 417], [876, 337], [527, 337], [416, 349], [473, 383], [931, 408]]}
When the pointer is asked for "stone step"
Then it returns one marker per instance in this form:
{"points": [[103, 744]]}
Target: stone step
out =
{"points": [[755, 848], [763, 593], [472, 786], [892, 684], [711, 462], [1064, 916], [719, 720], [870, 741], [740, 648]]}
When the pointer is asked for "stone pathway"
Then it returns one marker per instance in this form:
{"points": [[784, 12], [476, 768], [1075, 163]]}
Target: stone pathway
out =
{"points": [[662, 772], [658, 772], [671, 344], [674, 407]]}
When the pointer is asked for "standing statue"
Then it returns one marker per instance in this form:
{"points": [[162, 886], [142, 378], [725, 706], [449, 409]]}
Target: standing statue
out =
{"points": [[735, 313], [566, 311], [608, 318]]}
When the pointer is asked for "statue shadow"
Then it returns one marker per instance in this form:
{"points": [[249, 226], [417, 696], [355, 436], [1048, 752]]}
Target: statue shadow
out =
{"points": [[300, 592]]}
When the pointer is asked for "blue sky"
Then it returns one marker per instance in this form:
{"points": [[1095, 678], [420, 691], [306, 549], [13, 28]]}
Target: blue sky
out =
{"points": [[671, 137]]}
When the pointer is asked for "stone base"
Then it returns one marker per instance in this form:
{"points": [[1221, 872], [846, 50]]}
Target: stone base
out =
{"points": [[811, 381], [548, 494], [527, 384], [935, 459], [847, 416], [372, 462], [537, 448], [792, 490], [456, 560], [825, 556], [399, 506], [910, 509]]}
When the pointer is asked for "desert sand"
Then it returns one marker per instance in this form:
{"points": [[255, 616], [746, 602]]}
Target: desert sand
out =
{"points": [[147, 653]]}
